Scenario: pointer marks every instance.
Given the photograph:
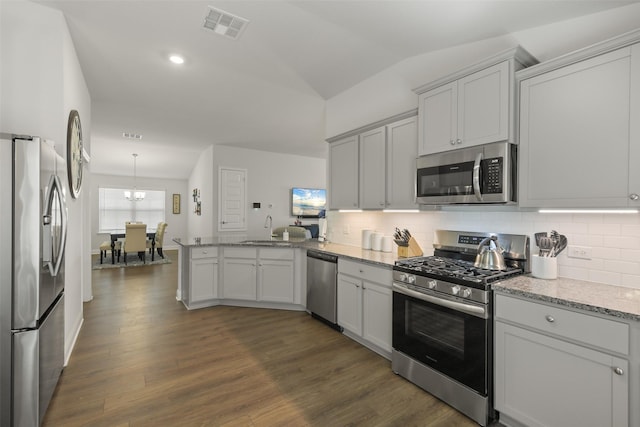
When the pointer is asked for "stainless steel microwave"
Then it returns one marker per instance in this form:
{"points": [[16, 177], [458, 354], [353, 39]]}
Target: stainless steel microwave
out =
{"points": [[474, 175]]}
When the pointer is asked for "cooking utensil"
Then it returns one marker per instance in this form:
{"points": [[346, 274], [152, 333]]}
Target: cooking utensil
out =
{"points": [[545, 244], [559, 246], [538, 236], [490, 259]]}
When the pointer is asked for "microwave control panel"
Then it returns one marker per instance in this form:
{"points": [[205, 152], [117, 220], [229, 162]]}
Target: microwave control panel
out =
{"points": [[493, 175]]}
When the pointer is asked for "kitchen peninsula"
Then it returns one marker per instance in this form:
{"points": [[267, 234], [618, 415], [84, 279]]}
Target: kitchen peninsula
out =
{"points": [[271, 273]]}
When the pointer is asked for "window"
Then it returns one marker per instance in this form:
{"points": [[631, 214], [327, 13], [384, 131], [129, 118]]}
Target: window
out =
{"points": [[114, 210]]}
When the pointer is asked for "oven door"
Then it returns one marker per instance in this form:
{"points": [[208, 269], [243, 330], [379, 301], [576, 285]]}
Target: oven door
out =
{"points": [[450, 336]]}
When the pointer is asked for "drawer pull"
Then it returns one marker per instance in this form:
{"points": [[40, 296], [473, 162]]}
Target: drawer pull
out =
{"points": [[550, 318], [618, 371]]}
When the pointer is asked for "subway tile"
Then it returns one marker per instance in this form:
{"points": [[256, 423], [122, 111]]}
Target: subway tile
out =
{"points": [[631, 281], [606, 253], [609, 229], [630, 230], [606, 277], [624, 267], [622, 242]]}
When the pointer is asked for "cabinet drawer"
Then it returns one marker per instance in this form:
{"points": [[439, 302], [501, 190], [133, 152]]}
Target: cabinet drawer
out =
{"points": [[204, 252], [231, 252], [590, 330], [367, 272], [275, 253]]}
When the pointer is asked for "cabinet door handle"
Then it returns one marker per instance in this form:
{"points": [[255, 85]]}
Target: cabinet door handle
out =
{"points": [[618, 371], [634, 196], [452, 142], [550, 318], [459, 141]]}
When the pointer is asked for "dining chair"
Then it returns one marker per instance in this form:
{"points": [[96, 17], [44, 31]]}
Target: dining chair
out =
{"points": [[135, 240], [106, 246], [159, 238]]}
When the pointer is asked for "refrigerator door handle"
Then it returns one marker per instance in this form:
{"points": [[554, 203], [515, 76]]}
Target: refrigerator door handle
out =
{"points": [[55, 208]]}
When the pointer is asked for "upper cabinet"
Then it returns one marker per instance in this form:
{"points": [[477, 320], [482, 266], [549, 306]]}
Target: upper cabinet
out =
{"points": [[343, 173], [374, 167], [579, 128], [471, 107]]}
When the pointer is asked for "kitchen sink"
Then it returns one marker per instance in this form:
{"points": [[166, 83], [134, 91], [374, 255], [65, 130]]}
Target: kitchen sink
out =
{"points": [[265, 243]]}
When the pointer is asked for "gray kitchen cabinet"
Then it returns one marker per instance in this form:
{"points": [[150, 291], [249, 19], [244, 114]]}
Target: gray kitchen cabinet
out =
{"points": [[239, 273], [579, 132], [263, 275], [276, 275], [385, 166], [559, 367], [373, 168], [343, 173], [364, 304], [202, 277], [471, 111], [471, 107], [402, 150]]}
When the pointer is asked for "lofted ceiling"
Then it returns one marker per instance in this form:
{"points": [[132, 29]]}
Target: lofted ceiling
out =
{"points": [[266, 90]]}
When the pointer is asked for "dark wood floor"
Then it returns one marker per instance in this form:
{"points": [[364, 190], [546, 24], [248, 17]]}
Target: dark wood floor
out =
{"points": [[142, 359]]}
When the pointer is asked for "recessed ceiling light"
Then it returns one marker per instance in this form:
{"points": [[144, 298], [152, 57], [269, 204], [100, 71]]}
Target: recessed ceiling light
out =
{"points": [[176, 59]]}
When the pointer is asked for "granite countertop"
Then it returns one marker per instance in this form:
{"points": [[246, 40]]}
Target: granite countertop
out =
{"points": [[353, 252], [617, 301]]}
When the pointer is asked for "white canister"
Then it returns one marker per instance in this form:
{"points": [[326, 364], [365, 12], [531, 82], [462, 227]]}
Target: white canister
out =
{"points": [[376, 241], [544, 267], [387, 244], [366, 239]]}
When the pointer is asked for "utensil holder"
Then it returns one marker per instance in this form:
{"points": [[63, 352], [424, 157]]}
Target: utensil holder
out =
{"points": [[544, 267], [411, 250]]}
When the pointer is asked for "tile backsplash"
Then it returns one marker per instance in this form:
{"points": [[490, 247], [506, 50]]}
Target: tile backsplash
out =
{"points": [[614, 239]]}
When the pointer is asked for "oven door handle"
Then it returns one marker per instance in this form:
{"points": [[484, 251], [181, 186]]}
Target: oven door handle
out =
{"points": [[470, 309], [476, 177]]}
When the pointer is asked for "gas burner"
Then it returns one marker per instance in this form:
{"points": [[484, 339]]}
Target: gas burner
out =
{"points": [[457, 270]]}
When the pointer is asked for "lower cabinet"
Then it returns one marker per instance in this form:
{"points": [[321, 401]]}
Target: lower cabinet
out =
{"points": [[559, 367], [265, 274], [364, 304], [203, 275]]}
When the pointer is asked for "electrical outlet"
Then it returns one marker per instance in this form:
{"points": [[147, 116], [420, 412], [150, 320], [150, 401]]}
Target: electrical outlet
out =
{"points": [[581, 252], [346, 229]]}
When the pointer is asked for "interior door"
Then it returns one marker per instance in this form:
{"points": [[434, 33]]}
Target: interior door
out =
{"points": [[232, 203]]}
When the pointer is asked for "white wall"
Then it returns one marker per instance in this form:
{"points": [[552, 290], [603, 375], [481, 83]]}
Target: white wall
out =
{"points": [[41, 81], [176, 223], [614, 239], [202, 178], [270, 177]]}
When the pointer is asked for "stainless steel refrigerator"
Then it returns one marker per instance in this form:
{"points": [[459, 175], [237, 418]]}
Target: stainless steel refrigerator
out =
{"points": [[33, 230]]}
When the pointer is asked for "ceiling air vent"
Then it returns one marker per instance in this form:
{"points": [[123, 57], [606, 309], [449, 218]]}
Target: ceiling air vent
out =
{"points": [[225, 23]]}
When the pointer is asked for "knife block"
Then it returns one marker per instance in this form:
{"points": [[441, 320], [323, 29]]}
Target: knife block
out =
{"points": [[413, 249]]}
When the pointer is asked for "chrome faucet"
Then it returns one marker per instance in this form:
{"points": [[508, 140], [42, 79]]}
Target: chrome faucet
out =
{"points": [[268, 223]]}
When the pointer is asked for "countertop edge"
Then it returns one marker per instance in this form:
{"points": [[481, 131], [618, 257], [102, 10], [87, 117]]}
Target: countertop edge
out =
{"points": [[507, 288]]}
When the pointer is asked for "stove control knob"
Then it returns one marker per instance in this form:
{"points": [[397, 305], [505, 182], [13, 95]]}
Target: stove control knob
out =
{"points": [[466, 292], [455, 290], [411, 279], [403, 277], [432, 284]]}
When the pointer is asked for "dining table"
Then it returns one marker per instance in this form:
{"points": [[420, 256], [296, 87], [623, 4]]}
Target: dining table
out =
{"points": [[118, 234]]}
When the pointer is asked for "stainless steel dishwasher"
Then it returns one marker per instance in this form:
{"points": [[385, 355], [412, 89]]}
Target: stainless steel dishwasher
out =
{"points": [[322, 276]]}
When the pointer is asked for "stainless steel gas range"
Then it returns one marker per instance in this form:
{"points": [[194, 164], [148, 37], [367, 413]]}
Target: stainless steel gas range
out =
{"points": [[443, 319]]}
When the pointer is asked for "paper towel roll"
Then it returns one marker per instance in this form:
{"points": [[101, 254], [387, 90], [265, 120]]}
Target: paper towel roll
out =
{"points": [[376, 241], [387, 244], [366, 239]]}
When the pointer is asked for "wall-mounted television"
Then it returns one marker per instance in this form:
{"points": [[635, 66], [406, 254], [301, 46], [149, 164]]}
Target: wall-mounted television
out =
{"points": [[308, 202]]}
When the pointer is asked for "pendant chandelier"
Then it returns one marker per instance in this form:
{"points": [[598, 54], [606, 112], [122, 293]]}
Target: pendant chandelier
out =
{"points": [[135, 195]]}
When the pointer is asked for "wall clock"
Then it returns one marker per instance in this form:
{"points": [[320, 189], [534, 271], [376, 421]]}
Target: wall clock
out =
{"points": [[74, 153]]}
